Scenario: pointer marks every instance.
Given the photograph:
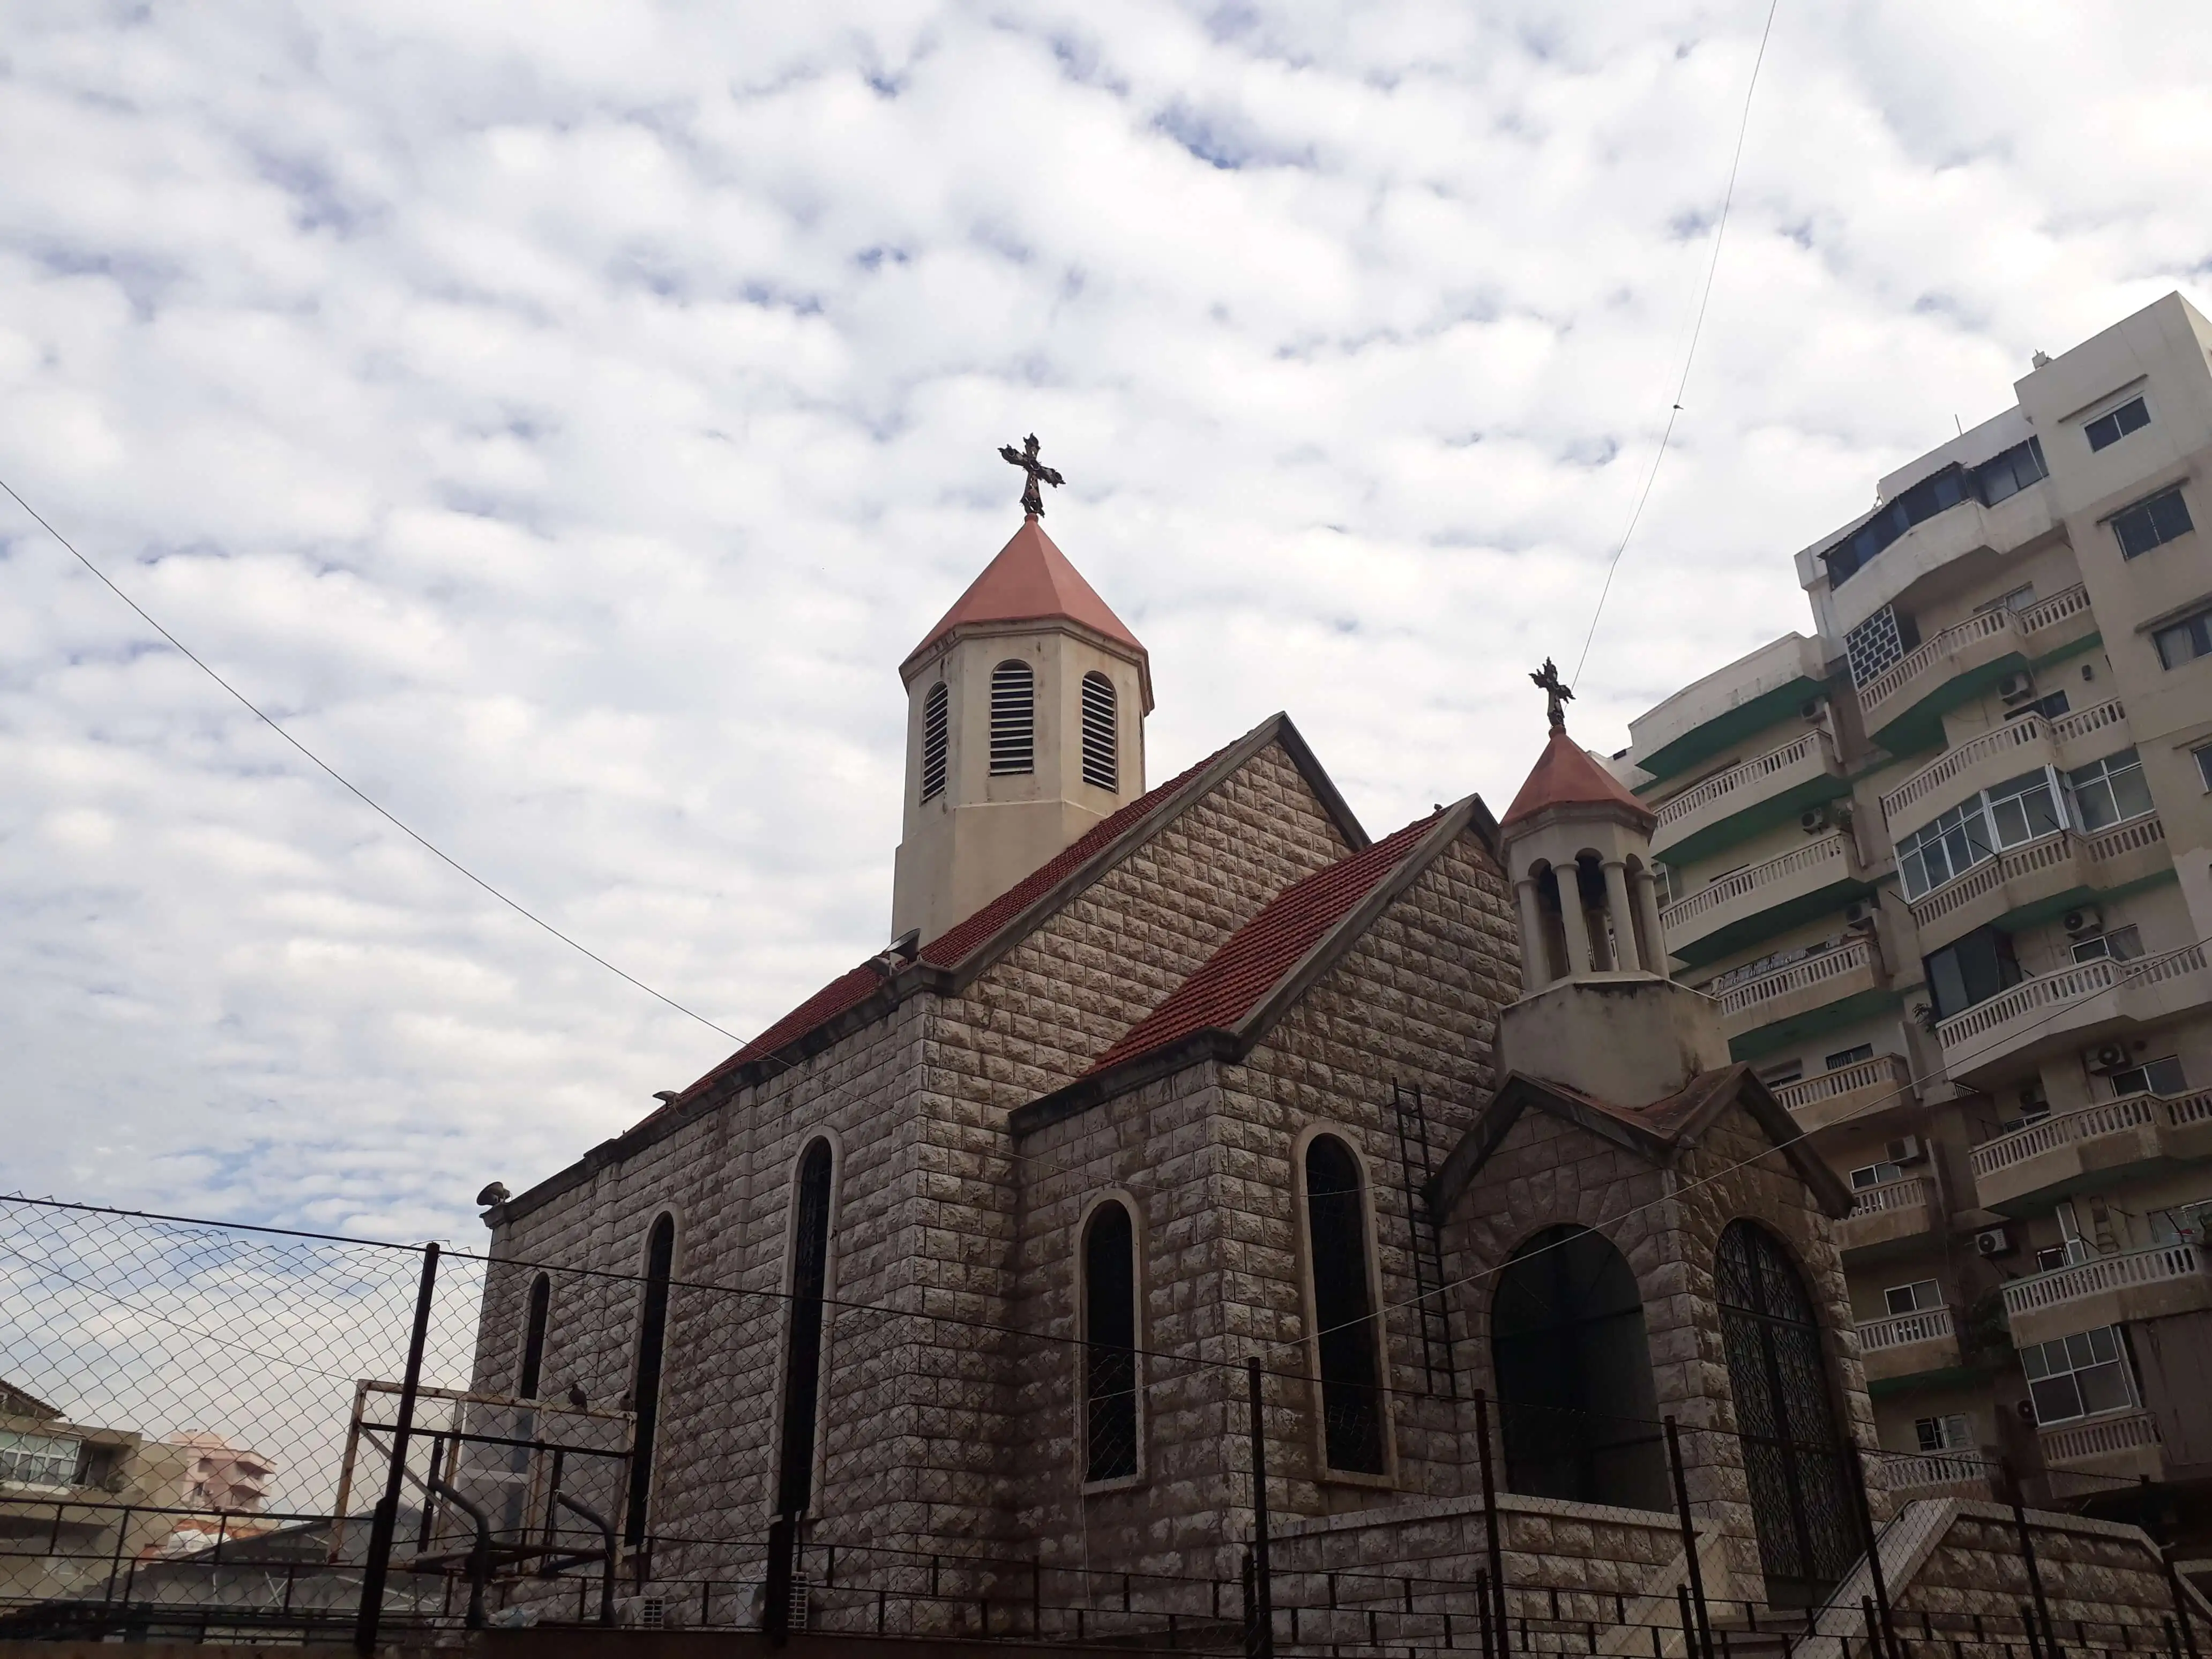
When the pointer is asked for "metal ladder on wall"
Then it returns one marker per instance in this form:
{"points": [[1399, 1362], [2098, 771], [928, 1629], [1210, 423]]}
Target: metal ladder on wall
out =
{"points": [[1428, 1245]]}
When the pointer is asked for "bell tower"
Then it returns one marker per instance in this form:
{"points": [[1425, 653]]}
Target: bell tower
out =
{"points": [[1025, 727]]}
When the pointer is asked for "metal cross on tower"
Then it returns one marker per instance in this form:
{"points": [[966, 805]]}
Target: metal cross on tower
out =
{"points": [[1026, 458], [1556, 693]]}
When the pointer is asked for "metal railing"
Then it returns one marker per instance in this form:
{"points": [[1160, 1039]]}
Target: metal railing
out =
{"points": [[1740, 883], [2022, 733], [1981, 626], [2160, 1265], [1851, 958], [1750, 773], [2083, 979], [1893, 1070], [1928, 1325]]}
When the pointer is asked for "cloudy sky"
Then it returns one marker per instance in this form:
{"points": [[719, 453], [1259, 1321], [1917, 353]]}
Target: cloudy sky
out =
{"points": [[564, 418]]}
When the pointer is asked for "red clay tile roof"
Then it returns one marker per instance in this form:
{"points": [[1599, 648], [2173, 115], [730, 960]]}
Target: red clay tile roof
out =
{"points": [[1253, 959], [1565, 775], [1029, 581]]}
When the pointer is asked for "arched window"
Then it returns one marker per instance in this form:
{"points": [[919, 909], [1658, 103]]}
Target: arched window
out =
{"points": [[1109, 1344], [1793, 1458], [1013, 718], [802, 1343], [936, 739], [645, 1381], [1101, 760], [1578, 1407], [533, 1338], [1344, 1313]]}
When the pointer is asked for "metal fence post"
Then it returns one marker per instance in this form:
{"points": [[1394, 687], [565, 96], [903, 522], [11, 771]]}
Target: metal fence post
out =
{"points": [[775, 1595], [378, 1566], [1491, 1548], [1889, 1643], [1703, 1644], [1260, 1632], [2180, 1604], [2051, 1648]]}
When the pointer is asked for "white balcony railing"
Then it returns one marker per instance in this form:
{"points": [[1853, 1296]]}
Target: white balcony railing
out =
{"points": [[2164, 1264], [2058, 850], [2088, 1123], [1889, 1195], [1742, 883], [1853, 957], [2099, 1437], [1751, 772], [1903, 1475], [2026, 732], [1928, 1325], [1891, 1071], [2082, 980], [1982, 625]]}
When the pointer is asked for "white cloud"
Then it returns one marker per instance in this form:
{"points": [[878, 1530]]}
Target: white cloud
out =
{"points": [[565, 418]]}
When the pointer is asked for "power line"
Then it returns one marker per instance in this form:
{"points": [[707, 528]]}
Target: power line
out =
{"points": [[1690, 356], [345, 782]]}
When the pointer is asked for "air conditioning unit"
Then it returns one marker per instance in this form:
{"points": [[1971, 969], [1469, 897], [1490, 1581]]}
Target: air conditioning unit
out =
{"points": [[1993, 1241], [2015, 687], [1858, 914], [2086, 920], [2107, 1058], [2196, 1223], [1906, 1149], [1813, 820], [1812, 709], [642, 1612]]}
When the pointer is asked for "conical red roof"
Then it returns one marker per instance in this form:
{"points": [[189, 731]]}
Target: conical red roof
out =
{"points": [[1566, 775], [1030, 580]]}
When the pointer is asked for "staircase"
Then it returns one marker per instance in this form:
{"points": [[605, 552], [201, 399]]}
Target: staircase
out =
{"points": [[1902, 1547]]}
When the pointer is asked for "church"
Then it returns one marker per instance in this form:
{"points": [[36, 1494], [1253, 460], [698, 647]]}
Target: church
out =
{"points": [[965, 1256]]}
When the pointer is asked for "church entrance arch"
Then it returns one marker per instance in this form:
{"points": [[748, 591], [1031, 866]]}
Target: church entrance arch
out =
{"points": [[1578, 1411], [1793, 1456]]}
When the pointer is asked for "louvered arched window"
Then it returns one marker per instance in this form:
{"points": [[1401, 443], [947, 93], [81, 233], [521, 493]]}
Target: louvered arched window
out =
{"points": [[1013, 718], [936, 739], [1101, 764]]}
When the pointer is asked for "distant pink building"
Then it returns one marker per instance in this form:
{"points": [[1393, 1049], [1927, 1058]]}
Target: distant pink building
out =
{"points": [[222, 1476]]}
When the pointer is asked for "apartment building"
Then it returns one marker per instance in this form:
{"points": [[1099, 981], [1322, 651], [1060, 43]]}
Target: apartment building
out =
{"points": [[1947, 865]]}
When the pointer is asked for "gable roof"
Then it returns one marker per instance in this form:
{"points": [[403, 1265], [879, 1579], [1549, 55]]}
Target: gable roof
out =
{"points": [[1030, 580], [1565, 775], [1237, 994], [1659, 1132]]}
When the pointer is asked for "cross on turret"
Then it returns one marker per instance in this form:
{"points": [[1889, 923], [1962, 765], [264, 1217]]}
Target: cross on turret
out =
{"points": [[1556, 694], [1026, 458]]}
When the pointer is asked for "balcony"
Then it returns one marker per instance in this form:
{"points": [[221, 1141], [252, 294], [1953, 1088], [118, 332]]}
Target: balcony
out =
{"points": [[2108, 1290], [1910, 1345], [2006, 751], [1809, 993], [1882, 1215], [2030, 1170], [2041, 878], [1760, 900], [1904, 705], [1938, 1475], [2122, 1446], [1772, 788], [1849, 1091], [2054, 1012]]}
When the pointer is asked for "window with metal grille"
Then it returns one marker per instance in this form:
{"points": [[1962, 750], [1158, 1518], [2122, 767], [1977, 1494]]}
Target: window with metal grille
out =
{"points": [[802, 1351], [645, 1380], [1878, 642], [1013, 718], [1101, 764], [533, 1338], [1351, 1367], [1109, 1338], [936, 739]]}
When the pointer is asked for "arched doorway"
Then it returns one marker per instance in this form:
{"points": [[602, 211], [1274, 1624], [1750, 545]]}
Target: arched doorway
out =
{"points": [[1794, 1459], [1578, 1412]]}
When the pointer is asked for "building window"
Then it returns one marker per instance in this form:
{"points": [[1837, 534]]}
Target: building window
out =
{"points": [[2109, 791], [1917, 1297], [1971, 971], [1892, 519], [1876, 1175], [2019, 810], [936, 739], [2162, 1076], [1101, 764], [2050, 707], [1344, 1314], [1941, 1434], [2078, 1375], [2106, 430], [1782, 1072], [645, 1379], [2121, 944], [533, 1338], [37, 1460], [2186, 641], [2204, 759], [2152, 523], [1013, 718], [1850, 1056], [2007, 474], [1878, 642], [1109, 1344], [802, 1342]]}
